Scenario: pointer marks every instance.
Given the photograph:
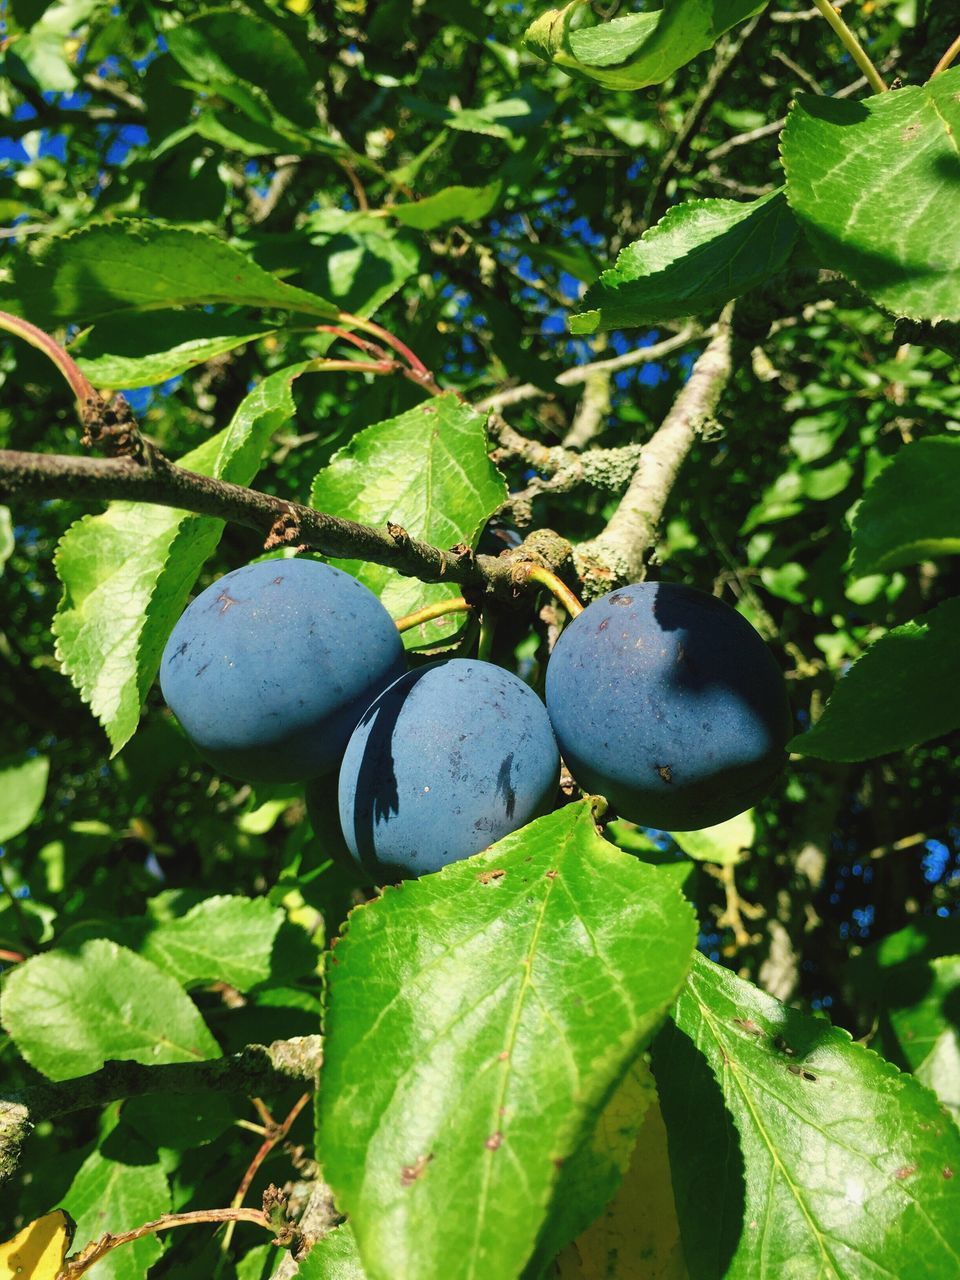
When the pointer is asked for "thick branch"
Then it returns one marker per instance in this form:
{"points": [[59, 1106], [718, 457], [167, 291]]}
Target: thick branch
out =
{"points": [[616, 555], [44, 476], [256, 1069]]}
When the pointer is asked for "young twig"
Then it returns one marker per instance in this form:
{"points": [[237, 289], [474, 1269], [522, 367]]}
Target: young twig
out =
{"points": [[948, 58], [852, 45], [275, 1134], [93, 1253]]}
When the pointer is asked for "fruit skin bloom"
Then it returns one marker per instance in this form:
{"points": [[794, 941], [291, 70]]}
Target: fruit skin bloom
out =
{"points": [[451, 758], [666, 701], [269, 669]]}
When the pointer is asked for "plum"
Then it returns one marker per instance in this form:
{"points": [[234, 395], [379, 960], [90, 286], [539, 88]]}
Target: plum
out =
{"points": [[270, 669], [666, 701], [449, 759]]}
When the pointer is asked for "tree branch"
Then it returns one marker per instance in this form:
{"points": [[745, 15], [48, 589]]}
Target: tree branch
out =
{"points": [[256, 1069], [616, 555], [162, 483]]}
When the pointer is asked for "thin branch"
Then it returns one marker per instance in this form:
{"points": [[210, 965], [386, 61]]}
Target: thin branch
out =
{"points": [[274, 1135], [256, 1069], [852, 45], [592, 411], [616, 555], [639, 355], [948, 58], [582, 372], [92, 1254]]}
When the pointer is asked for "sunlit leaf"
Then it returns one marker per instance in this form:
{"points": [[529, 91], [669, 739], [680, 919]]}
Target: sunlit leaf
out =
{"points": [[501, 999], [844, 158]]}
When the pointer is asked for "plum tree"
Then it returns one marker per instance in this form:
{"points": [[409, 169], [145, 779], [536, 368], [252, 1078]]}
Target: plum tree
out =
{"points": [[666, 701], [449, 759], [269, 669]]}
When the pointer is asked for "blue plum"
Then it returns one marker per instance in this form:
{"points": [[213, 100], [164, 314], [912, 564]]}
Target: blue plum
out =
{"points": [[448, 760], [666, 701], [270, 669]]}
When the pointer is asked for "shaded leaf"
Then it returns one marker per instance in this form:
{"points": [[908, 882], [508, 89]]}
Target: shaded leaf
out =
{"points": [[824, 1160], [635, 50], [23, 784], [223, 47], [127, 574], [427, 470], [844, 160], [68, 1013], [928, 1033], [133, 265], [355, 258], [501, 999], [699, 255], [592, 1174], [140, 351], [910, 511], [452, 204], [902, 691], [638, 1236], [506, 118]]}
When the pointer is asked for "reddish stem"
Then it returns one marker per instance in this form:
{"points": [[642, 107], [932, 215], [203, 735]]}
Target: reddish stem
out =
{"points": [[390, 339], [12, 957], [80, 385], [99, 1248]]}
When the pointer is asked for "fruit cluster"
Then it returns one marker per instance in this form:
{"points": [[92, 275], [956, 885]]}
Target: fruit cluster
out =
{"points": [[659, 697]]}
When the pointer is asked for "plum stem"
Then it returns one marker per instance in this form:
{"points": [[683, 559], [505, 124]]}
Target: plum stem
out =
{"points": [[558, 588], [430, 611]]}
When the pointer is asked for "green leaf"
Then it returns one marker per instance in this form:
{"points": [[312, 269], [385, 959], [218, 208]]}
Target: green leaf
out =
{"points": [[477, 1022], [140, 351], [127, 574], [902, 691], [7, 541], [795, 1151], [132, 265], [928, 1034], [506, 118], [68, 1012], [725, 844], [223, 47], [638, 49], [699, 255], [222, 939], [910, 511], [846, 160], [108, 1194], [452, 204], [23, 784], [334, 1257], [354, 258], [427, 470]]}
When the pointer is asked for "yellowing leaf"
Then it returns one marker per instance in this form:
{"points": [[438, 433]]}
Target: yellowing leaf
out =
{"points": [[37, 1252], [638, 1237]]}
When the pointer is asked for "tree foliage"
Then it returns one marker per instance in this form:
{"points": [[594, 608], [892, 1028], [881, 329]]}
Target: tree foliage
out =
{"points": [[670, 292]]}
